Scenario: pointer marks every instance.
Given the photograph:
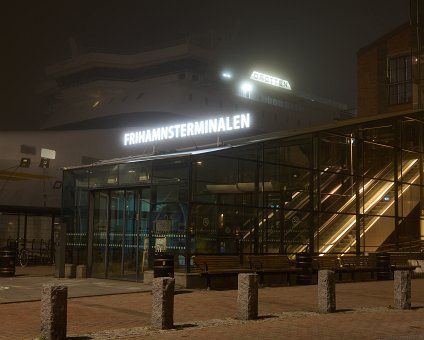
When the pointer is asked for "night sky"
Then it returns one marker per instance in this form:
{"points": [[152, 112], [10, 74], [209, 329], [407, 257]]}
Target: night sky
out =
{"points": [[312, 43]]}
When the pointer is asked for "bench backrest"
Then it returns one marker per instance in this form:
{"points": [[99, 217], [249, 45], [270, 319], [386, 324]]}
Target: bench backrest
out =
{"points": [[357, 261], [269, 262], [327, 262], [399, 259], [204, 263]]}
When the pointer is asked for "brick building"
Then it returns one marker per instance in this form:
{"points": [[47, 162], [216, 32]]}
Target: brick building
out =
{"points": [[390, 70]]}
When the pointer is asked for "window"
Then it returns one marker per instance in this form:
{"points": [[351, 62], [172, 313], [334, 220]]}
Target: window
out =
{"points": [[400, 80]]}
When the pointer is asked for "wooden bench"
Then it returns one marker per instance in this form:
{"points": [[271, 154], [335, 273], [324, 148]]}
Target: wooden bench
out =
{"points": [[218, 265], [334, 263], [272, 264], [357, 263], [328, 262], [400, 262]]}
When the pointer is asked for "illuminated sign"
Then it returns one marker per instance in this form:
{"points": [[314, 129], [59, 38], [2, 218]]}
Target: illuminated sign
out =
{"points": [[270, 80], [189, 129]]}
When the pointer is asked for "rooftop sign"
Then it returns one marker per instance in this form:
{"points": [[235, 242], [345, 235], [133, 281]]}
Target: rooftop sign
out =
{"points": [[270, 80], [189, 129]]}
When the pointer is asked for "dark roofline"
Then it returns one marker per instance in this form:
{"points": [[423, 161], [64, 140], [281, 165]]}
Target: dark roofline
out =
{"points": [[385, 37]]}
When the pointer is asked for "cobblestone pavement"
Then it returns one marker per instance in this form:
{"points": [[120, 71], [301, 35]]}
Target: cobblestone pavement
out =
{"points": [[363, 312]]}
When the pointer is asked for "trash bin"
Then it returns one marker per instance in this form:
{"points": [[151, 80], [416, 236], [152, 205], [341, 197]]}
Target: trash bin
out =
{"points": [[163, 265], [304, 262], [383, 266], [7, 262]]}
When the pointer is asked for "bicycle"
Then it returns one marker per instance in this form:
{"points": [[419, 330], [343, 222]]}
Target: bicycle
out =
{"points": [[22, 254]]}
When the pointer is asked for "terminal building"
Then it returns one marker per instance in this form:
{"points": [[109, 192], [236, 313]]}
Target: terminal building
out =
{"points": [[105, 105], [345, 187]]}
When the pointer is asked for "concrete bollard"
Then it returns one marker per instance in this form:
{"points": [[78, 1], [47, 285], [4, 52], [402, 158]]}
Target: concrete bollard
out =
{"points": [[69, 270], [81, 272], [163, 302], [326, 291], [54, 301], [402, 289], [247, 296]]}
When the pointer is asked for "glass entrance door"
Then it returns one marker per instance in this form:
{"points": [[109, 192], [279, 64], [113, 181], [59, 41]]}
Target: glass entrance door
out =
{"points": [[121, 220], [116, 234]]}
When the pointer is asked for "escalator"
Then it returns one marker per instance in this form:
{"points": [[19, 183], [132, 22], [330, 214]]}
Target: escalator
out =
{"points": [[336, 233]]}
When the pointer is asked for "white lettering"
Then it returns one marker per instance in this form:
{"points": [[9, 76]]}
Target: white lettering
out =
{"points": [[270, 80], [190, 129], [183, 130], [213, 125], [155, 134], [171, 132], [221, 125], [236, 122], [148, 137], [199, 128], [207, 126], [177, 131], [126, 138], [245, 121], [228, 127], [164, 132]]}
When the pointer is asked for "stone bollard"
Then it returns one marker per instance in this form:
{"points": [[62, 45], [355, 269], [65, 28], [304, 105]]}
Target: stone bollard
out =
{"points": [[53, 312], [247, 297], [402, 289], [69, 270], [81, 271], [326, 291], [163, 302]]}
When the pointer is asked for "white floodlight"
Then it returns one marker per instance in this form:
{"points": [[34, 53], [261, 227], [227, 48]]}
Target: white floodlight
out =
{"points": [[226, 75], [246, 87]]}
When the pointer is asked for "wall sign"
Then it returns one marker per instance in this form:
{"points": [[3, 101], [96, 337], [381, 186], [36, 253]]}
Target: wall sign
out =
{"points": [[270, 80], [189, 129]]}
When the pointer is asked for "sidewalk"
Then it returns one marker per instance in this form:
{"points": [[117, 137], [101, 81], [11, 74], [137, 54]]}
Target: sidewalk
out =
{"points": [[363, 312]]}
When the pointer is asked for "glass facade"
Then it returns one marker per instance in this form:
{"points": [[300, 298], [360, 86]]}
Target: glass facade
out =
{"points": [[352, 189], [32, 230]]}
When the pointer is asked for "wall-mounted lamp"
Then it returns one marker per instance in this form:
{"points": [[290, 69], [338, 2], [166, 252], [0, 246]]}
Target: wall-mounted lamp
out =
{"points": [[25, 162], [44, 163]]}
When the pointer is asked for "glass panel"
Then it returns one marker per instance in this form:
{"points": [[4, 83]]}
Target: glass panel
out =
{"points": [[411, 135], [296, 230], [410, 171], [170, 170], [245, 152], [379, 234], [135, 173], [144, 225], [169, 219], [335, 153], [382, 133], [409, 199], [337, 192], [378, 161], [103, 176], [224, 229], [78, 228], [393, 94], [336, 233], [296, 152], [9, 229], [130, 236], [72, 180], [379, 198], [100, 223], [116, 233], [38, 236]]}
